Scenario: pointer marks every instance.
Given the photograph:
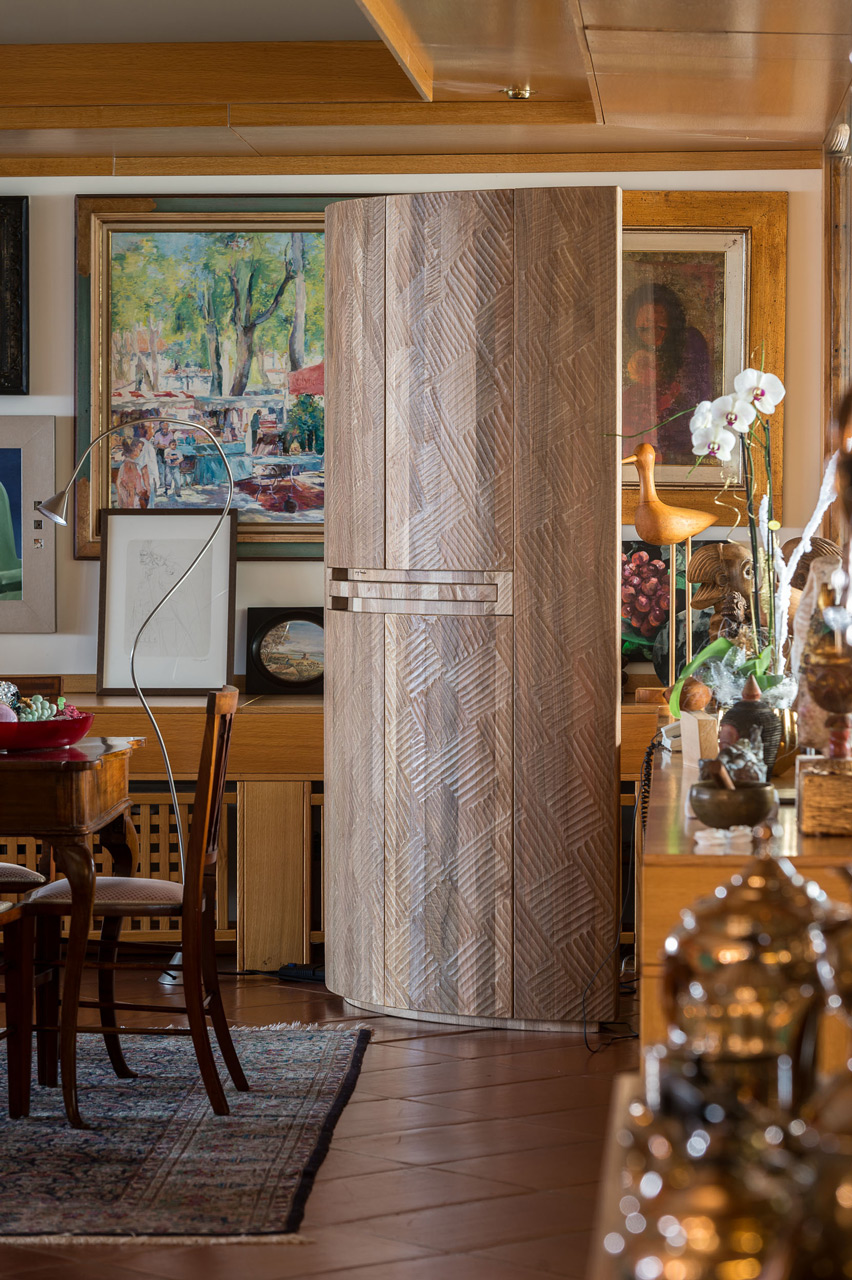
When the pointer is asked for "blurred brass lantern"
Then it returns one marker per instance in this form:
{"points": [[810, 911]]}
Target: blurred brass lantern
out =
{"points": [[741, 989], [824, 1246], [701, 1200]]}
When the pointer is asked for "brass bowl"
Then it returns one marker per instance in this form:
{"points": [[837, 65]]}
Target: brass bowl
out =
{"points": [[745, 807]]}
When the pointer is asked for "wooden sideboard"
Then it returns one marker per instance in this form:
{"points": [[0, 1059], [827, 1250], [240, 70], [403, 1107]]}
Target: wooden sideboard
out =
{"points": [[275, 779], [274, 796], [671, 875]]}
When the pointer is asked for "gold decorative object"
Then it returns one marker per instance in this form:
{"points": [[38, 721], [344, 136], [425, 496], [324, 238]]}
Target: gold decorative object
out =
{"points": [[741, 989], [707, 1188]]}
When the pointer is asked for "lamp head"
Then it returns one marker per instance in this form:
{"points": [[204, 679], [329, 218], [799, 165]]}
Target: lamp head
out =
{"points": [[54, 508]]}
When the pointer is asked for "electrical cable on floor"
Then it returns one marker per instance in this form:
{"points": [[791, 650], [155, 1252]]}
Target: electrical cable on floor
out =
{"points": [[644, 795]]}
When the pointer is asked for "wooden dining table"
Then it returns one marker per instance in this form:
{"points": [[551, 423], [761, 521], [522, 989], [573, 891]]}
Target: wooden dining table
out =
{"points": [[64, 797]]}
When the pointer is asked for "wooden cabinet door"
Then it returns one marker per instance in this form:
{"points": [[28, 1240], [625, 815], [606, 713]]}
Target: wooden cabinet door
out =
{"points": [[472, 629], [449, 358], [566, 601]]}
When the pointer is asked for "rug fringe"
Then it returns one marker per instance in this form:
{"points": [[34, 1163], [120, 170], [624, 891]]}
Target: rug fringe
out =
{"points": [[40, 1242], [307, 1026]]}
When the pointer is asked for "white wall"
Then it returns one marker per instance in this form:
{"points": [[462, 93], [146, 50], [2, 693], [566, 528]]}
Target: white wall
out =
{"points": [[73, 648]]}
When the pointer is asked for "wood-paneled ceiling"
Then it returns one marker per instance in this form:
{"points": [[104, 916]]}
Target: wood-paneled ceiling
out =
{"points": [[385, 85]]}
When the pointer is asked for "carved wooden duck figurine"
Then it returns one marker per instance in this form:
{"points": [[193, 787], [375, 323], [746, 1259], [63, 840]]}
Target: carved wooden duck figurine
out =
{"points": [[656, 522]]}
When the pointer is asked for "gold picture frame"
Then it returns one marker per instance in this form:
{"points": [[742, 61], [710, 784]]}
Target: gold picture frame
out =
{"points": [[761, 217], [253, 414]]}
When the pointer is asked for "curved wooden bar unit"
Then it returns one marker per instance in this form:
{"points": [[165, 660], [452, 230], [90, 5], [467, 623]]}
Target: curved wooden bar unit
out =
{"points": [[472, 624]]}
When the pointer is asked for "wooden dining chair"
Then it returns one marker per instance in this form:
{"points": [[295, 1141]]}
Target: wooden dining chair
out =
{"points": [[194, 902], [17, 929]]}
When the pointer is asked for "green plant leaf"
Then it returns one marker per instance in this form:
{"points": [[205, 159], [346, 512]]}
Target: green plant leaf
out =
{"points": [[716, 649], [758, 666]]}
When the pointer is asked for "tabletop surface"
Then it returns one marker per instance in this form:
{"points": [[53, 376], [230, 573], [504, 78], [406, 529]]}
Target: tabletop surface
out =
{"points": [[670, 834], [88, 753]]}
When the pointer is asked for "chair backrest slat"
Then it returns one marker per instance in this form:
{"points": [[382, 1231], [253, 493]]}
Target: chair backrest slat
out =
{"points": [[203, 845]]}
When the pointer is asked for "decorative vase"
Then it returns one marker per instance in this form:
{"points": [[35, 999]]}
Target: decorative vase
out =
{"points": [[750, 713]]}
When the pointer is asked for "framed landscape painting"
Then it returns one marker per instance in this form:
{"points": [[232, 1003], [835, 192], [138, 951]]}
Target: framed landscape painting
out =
{"points": [[703, 296], [202, 312]]}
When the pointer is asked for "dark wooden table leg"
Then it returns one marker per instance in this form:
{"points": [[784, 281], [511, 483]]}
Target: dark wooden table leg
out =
{"points": [[76, 860], [120, 840]]}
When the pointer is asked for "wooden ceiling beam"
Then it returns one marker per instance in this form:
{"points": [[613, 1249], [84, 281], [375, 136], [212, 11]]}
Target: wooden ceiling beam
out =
{"points": [[77, 75], [341, 165], [402, 40], [298, 115], [402, 114]]}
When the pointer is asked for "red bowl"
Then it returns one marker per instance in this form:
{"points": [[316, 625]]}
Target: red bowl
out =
{"points": [[33, 735]]}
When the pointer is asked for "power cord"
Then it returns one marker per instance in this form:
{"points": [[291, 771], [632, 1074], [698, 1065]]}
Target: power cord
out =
{"points": [[645, 774]]}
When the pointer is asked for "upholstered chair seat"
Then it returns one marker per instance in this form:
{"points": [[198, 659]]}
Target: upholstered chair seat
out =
{"points": [[119, 896], [15, 879]]}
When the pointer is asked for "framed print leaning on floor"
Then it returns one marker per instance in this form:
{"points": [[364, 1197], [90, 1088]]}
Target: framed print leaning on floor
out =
{"points": [[209, 311], [703, 296], [188, 647]]}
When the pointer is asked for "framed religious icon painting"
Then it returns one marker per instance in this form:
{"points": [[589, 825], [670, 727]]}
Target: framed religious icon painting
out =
{"points": [[202, 312], [703, 297]]}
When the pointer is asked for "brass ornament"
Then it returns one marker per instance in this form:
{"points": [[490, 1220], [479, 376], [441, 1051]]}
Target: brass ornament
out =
{"points": [[742, 989]]}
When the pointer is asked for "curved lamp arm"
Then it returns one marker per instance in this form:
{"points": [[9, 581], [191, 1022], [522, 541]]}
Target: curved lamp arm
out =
{"points": [[55, 509]]}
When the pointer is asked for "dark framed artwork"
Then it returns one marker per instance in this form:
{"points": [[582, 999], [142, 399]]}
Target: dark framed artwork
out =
{"points": [[14, 296], [207, 310], [284, 651], [189, 645], [648, 590]]}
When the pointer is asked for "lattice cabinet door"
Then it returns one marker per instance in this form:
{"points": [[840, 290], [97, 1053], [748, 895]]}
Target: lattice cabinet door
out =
{"points": [[159, 857]]}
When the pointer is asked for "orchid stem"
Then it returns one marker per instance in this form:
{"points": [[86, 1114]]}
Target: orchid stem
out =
{"points": [[752, 528]]}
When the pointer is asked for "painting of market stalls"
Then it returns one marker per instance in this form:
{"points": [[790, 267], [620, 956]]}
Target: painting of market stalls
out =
{"points": [[222, 329]]}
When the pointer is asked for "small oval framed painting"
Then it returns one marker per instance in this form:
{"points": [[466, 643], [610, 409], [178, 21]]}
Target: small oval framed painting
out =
{"points": [[284, 651]]}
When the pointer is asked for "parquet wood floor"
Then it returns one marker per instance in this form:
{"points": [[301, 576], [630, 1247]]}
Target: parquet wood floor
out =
{"points": [[463, 1155]]}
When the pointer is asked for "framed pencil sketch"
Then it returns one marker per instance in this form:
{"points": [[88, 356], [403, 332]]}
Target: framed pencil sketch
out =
{"points": [[27, 539], [202, 312], [703, 296], [189, 645], [14, 296]]}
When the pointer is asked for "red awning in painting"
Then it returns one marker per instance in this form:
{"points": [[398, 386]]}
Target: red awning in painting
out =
{"points": [[307, 382]]}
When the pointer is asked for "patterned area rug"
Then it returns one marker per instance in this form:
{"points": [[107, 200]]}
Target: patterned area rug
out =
{"points": [[156, 1163]]}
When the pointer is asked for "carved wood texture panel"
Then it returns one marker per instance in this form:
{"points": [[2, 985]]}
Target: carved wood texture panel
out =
{"points": [[355, 392], [448, 814], [354, 817], [449, 335], [567, 403]]}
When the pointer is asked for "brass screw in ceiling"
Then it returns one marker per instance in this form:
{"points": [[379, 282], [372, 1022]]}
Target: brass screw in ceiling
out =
{"points": [[519, 91]]}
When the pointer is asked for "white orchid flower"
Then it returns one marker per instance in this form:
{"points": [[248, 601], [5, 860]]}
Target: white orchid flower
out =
{"points": [[734, 413], [713, 440], [764, 390], [702, 417]]}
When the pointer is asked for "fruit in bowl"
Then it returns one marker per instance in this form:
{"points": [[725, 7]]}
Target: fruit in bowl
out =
{"points": [[35, 723]]}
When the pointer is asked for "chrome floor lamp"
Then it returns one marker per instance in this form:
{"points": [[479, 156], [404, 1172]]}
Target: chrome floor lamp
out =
{"points": [[55, 509]]}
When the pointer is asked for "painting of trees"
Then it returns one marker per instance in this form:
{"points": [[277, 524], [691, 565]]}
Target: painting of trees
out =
{"points": [[230, 311]]}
